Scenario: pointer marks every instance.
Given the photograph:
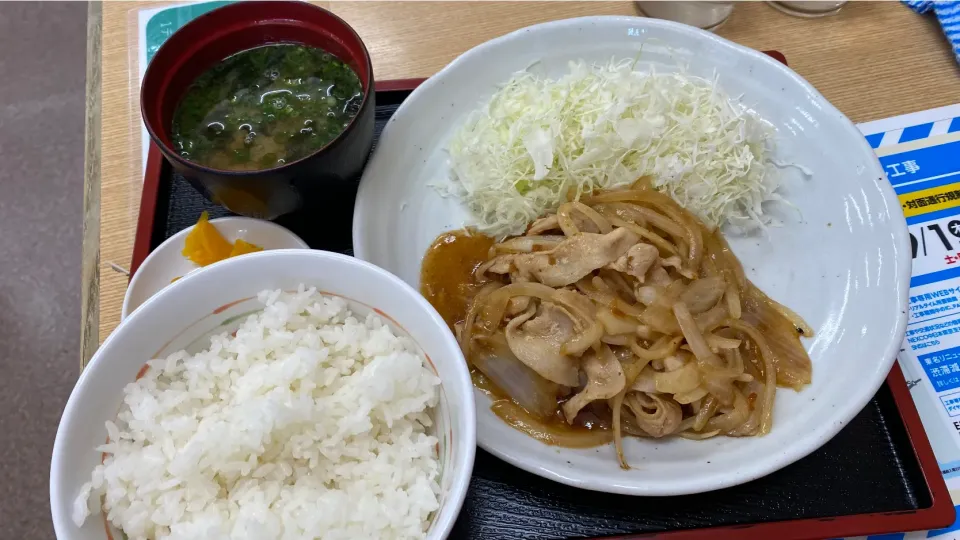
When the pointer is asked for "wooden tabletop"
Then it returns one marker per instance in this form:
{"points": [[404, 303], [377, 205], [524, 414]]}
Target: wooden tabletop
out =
{"points": [[872, 60]]}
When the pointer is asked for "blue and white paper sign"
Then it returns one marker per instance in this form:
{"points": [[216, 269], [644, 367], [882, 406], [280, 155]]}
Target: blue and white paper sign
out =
{"points": [[920, 153]]}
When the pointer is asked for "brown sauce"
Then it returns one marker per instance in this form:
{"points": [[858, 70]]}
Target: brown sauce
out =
{"points": [[446, 276]]}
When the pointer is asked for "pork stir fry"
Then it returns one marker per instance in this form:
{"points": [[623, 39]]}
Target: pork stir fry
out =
{"points": [[622, 315]]}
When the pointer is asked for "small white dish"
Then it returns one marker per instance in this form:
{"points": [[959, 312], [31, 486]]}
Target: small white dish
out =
{"points": [[217, 300], [167, 262], [842, 262]]}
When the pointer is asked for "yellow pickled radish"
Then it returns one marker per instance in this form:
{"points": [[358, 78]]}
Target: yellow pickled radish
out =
{"points": [[205, 245], [241, 247]]}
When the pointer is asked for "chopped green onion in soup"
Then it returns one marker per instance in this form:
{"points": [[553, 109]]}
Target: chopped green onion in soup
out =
{"points": [[265, 107]]}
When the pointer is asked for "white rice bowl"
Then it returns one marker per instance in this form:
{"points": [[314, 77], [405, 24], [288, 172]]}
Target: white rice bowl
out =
{"points": [[308, 423]]}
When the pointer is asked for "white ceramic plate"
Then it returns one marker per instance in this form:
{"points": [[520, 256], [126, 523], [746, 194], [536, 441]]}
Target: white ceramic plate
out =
{"points": [[216, 300], [167, 262], [844, 265]]}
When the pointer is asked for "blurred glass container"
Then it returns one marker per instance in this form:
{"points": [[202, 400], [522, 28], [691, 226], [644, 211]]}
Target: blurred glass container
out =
{"points": [[809, 8], [706, 15]]}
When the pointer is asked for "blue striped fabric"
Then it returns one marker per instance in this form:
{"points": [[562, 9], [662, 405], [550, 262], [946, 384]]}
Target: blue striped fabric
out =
{"points": [[948, 13]]}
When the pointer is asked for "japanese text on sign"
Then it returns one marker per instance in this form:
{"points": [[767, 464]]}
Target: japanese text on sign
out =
{"points": [[943, 368], [909, 167]]}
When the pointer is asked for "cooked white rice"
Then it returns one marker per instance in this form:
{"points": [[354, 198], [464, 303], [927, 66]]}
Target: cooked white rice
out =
{"points": [[309, 423]]}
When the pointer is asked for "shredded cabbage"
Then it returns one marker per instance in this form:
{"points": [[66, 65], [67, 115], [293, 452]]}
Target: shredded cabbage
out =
{"points": [[539, 141]]}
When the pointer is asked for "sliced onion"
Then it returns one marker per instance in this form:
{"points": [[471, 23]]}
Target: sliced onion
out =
{"points": [[661, 222], [551, 433], [733, 360], [645, 381], [792, 363], [693, 435], [732, 296], [726, 262], [752, 425], [797, 321], [569, 224], [645, 332], [760, 301], [660, 319], [733, 418], [630, 372], [466, 334], [685, 398], [606, 297], [590, 290], [676, 361], [658, 415], [719, 387], [625, 211], [543, 225], [712, 318], [658, 276], [495, 305], [677, 264], [649, 294], [695, 339], [714, 378], [752, 363], [583, 341], [626, 308], [673, 292], [617, 283], [769, 369], [527, 244], [638, 215], [705, 412], [601, 285], [720, 342], [680, 381], [662, 348], [613, 324], [616, 405], [703, 294], [480, 273], [602, 224], [658, 241], [521, 383], [629, 426], [620, 340]]}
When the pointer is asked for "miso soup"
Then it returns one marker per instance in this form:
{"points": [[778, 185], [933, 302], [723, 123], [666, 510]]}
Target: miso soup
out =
{"points": [[264, 107]]}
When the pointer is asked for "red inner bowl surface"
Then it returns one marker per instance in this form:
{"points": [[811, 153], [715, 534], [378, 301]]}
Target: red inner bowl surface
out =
{"points": [[210, 38]]}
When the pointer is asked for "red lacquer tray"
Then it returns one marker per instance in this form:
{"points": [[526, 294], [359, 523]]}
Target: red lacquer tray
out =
{"points": [[879, 475]]}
